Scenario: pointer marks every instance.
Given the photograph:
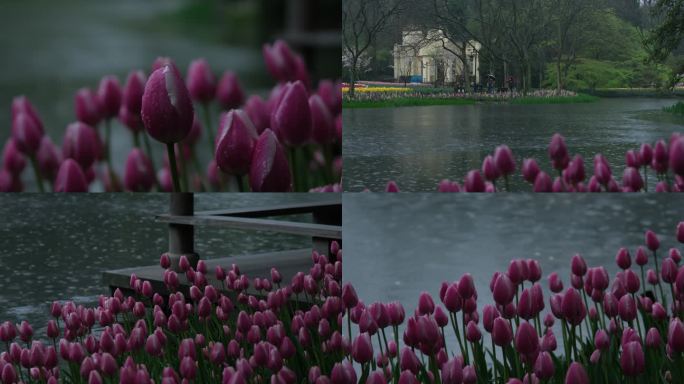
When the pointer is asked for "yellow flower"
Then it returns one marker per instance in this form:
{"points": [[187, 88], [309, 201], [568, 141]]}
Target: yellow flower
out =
{"points": [[378, 90]]}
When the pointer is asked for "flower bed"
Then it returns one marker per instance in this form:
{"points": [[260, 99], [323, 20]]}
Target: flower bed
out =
{"points": [[665, 160], [628, 330], [215, 333], [289, 141]]}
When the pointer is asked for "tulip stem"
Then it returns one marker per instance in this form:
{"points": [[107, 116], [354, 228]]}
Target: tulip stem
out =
{"points": [[207, 121], [150, 156], [645, 179], [240, 183], [183, 169], [172, 165], [36, 170]]}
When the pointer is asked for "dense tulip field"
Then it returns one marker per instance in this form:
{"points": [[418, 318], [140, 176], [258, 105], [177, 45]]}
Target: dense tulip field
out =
{"points": [[598, 330], [215, 332], [289, 141], [663, 161]]}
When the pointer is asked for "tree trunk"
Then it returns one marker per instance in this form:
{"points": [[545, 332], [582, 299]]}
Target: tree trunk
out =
{"points": [[559, 82], [352, 78], [466, 69]]}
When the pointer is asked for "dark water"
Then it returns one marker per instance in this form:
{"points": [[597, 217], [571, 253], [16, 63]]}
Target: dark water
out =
{"points": [[419, 146], [55, 247], [52, 48], [397, 246]]}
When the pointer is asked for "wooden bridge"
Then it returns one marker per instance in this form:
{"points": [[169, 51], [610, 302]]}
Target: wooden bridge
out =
{"points": [[325, 227]]}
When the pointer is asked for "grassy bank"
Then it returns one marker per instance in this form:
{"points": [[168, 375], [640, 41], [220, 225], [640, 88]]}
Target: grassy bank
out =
{"points": [[409, 101], [677, 109]]}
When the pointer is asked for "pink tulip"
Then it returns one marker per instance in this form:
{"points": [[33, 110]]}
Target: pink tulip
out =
{"points": [[504, 160], [526, 340], [291, 118], [280, 61], [362, 349], [229, 93], [259, 112], [576, 374], [675, 335], [653, 339], [167, 110], [632, 179], [26, 134], [530, 170], [133, 90], [12, 159], [660, 157], [572, 307], [138, 175], [651, 240], [109, 96], [489, 169], [677, 156], [452, 372], [543, 366], [201, 82], [235, 143], [87, 107], [48, 159], [70, 178], [504, 290], [543, 183], [558, 152], [81, 144], [502, 334], [473, 182], [269, 171], [322, 121], [632, 360]]}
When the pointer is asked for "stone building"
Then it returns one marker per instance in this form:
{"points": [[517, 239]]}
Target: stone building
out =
{"points": [[428, 57]]}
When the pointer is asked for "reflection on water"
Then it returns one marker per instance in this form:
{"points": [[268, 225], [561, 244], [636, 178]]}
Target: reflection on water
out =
{"points": [[55, 247], [419, 146], [397, 246]]}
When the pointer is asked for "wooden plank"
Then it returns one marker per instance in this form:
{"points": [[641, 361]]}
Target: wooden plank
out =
{"points": [[294, 228], [259, 265], [275, 210]]}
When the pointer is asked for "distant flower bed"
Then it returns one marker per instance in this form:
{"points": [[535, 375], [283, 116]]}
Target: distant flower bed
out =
{"points": [[378, 90]]}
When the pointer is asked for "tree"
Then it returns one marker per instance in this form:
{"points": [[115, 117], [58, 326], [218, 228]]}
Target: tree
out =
{"points": [[668, 35], [568, 17], [362, 21]]}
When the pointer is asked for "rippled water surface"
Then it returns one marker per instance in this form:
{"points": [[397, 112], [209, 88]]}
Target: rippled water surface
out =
{"points": [[55, 247], [419, 146], [401, 245]]}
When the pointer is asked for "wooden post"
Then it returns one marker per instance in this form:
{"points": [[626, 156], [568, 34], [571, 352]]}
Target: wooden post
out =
{"points": [[181, 236], [328, 216]]}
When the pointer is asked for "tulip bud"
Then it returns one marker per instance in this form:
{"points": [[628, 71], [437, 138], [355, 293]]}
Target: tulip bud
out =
{"points": [[87, 106], [48, 159], [201, 82], [109, 96], [652, 241], [526, 340], [558, 152], [362, 349], [653, 339], [572, 307], [167, 110], [26, 133], [291, 118], [81, 144], [235, 143], [70, 178], [504, 290], [660, 157], [322, 121], [543, 366], [473, 182], [452, 372], [425, 304], [501, 332], [229, 93], [576, 374], [632, 360], [138, 175], [530, 170], [269, 171]]}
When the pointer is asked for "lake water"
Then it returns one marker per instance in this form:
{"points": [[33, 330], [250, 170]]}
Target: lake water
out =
{"points": [[55, 247], [50, 49], [399, 245], [419, 146]]}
